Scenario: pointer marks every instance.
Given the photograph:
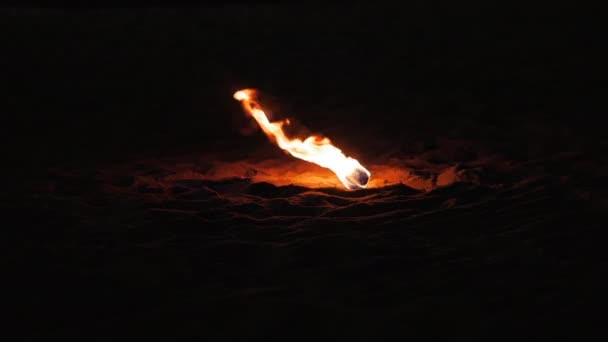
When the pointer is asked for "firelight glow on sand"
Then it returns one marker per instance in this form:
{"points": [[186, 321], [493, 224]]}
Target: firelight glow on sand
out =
{"points": [[313, 149]]}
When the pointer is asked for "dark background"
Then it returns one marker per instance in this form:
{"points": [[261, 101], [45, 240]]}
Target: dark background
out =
{"points": [[94, 86], [101, 82]]}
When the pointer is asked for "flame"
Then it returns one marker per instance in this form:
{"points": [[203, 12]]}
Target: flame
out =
{"points": [[313, 149]]}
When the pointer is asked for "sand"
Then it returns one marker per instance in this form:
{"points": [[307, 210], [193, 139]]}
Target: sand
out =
{"points": [[166, 242]]}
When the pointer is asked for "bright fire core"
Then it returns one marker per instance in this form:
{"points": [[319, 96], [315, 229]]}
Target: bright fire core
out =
{"points": [[313, 149]]}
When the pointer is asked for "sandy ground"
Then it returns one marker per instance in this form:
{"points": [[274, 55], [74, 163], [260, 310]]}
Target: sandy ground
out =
{"points": [[481, 247]]}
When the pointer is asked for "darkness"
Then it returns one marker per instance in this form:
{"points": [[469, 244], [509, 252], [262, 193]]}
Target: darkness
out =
{"points": [[90, 89]]}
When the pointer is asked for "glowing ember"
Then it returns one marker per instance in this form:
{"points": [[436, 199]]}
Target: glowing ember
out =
{"points": [[313, 149]]}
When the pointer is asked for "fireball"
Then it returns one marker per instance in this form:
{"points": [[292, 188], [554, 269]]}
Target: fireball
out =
{"points": [[314, 149]]}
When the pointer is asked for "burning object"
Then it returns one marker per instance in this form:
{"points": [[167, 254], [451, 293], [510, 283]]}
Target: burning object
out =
{"points": [[314, 149]]}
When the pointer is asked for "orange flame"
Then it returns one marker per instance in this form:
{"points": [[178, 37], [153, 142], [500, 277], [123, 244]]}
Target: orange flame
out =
{"points": [[313, 149]]}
